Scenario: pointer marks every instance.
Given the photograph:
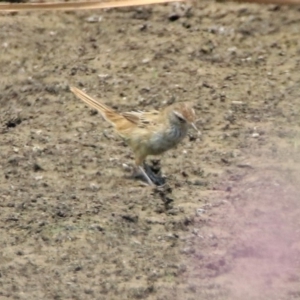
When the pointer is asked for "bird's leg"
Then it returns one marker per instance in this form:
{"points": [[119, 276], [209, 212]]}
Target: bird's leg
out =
{"points": [[140, 170], [147, 173], [156, 179], [149, 181]]}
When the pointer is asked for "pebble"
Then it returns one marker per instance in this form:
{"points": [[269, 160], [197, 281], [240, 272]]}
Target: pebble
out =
{"points": [[200, 211], [237, 102], [93, 19], [126, 167]]}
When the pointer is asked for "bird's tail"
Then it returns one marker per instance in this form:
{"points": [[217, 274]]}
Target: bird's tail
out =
{"points": [[107, 113]]}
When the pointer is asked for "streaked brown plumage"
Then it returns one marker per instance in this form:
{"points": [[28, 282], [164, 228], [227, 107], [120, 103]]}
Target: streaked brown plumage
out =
{"points": [[147, 133]]}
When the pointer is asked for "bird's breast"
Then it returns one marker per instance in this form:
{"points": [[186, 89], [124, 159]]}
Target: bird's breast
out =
{"points": [[164, 140]]}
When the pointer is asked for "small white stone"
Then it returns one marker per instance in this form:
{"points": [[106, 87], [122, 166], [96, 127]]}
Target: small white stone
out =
{"points": [[200, 211], [145, 60], [94, 19], [36, 148], [94, 186], [232, 49], [126, 167], [103, 76], [237, 102]]}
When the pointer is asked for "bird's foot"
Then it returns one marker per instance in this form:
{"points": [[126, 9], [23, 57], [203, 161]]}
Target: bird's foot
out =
{"points": [[147, 175], [155, 178]]}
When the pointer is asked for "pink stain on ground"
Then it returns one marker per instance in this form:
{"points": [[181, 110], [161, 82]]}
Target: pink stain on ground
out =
{"points": [[267, 239], [257, 234], [270, 257]]}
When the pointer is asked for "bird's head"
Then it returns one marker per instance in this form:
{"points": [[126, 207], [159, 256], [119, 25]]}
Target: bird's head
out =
{"points": [[183, 114]]}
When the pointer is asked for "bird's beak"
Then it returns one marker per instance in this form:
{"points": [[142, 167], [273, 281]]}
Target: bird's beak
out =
{"points": [[195, 127]]}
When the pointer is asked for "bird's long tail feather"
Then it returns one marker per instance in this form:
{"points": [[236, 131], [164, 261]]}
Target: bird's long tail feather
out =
{"points": [[107, 113]]}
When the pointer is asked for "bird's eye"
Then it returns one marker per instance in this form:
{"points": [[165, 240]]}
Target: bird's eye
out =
{"points": [[181, 119]]}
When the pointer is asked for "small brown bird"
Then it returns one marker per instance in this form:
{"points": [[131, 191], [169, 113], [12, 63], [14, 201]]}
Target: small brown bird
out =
{"points": [[147, 133]]}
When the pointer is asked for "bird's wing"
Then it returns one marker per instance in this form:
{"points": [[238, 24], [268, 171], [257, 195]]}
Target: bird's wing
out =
{"points": [[142, 119]]}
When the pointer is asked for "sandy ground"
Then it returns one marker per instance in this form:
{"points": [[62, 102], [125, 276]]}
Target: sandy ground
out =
{"points": [[75, 226]]}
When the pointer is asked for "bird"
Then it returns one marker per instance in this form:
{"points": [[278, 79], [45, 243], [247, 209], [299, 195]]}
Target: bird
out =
{"points": [[146, 132]]}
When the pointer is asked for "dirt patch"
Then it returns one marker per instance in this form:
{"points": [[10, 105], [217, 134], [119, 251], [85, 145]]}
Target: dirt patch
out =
{"points": [[74, 226]]}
